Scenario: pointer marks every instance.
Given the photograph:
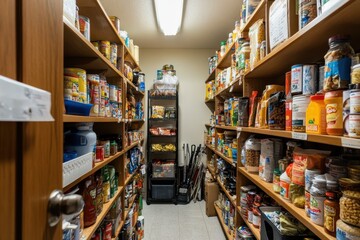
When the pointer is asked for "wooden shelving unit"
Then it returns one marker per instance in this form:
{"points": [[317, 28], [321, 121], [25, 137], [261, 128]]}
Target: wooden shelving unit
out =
{"points": [[232, 128], [89, 231], [211, 76], [231, 198], [222, 223], [225, 61], [211, 100], [254, 230], [259, 13], [233, 87], [296, 212]]}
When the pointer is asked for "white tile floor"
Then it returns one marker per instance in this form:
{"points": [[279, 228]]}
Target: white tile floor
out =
{"points": [[180, 222]]}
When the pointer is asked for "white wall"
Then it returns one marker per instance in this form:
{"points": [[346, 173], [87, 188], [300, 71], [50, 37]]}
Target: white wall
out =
{"points": [[191, 67]]}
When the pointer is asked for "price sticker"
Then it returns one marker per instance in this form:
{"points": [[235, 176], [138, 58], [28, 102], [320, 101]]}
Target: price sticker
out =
{"points": [[299, 136], [350, 142], [239, 129]]}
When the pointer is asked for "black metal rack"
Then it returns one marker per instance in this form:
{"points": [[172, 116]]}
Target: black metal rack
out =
{"points": [[162, 189]]}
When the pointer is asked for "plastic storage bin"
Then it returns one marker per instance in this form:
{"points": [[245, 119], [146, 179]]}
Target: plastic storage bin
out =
{"points": [[269, 231], [163, 170], [162, 191], [76, 168], [77, 108]]}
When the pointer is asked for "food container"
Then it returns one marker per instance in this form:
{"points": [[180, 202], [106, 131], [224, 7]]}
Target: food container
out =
{"points": [[276, 111], [336, 167], [252, 154], [288, 114], [355, 74], [113, 93], [283, 163], [355, 100], [309, 77], [94, 86], [316, 115], [284, 185], [321, 78], [95, 44], [114, 109], [105, 49], [338, 63], [346, 231], [346, 110], [71, 88], [85, 26], [276, 181], [77, 108], [334, 113], [307, 203], [116, 23], [354, 125], [113, 53], [81, 74], [350, 207], [307, 12], [299, 106], [309, 177], [349, 184], [243, 112], [100, 153], [296, 79], [354, 172]]}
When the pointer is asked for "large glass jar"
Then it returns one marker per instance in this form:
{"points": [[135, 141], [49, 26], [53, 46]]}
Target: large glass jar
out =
{"points": [[331, 212], [338, 63], [350, 207], [252, 155]]}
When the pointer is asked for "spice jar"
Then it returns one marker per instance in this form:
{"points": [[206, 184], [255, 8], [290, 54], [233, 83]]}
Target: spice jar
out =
{"points": [[317, 198], [334, 114], [276, 180], [252, 154], [338, 63], [350, 207], [355, 74], [331, 212]]}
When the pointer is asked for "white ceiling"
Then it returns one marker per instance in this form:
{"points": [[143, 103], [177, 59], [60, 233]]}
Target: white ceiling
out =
{"points": [[205, 22]]}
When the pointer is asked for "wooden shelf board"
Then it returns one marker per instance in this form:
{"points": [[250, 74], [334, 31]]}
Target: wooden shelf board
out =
{"points": [[96, 168], [135, 88], [76, 118], [211, 76], [229, 160], [212, 171], [209, 125], [254, 230], [225, 61], [222, 223], [310, 43], [89, 231], [232, 128], [234, 87], [211, 100], [231, 199], [79, 52], [101, 26], [318, 138], [129, 178], [296, 212], [258, 13]]}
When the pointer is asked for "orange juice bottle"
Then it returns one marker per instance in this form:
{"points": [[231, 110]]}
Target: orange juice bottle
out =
{"points": [[316, 115]]}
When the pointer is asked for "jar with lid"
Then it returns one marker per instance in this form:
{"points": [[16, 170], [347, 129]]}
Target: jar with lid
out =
{"points": [[355, 74], [113, 148], [256, 217], [331, 212], [334, 114], [245, 56], [316, 115], [250, 196], [276, 180], [262, 49], [338, 63], [354, 172], [346, 231], [252, 154], [350, 207], [317, 198], [222, 48], [243, 199]]}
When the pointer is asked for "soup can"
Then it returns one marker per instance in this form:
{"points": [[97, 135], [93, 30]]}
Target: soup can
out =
{"points": [[299, 106], [114, 109], [309, 77], [354, 125], [296, 79], [104, 48], [71, 88], [116, 23], [81, 74], [85, 26], [113, 96], [355, 101], [113, 53]]}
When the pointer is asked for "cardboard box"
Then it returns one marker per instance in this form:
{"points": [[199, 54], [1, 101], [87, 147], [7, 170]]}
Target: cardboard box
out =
{"points": [[283, 21], [211, 195]]}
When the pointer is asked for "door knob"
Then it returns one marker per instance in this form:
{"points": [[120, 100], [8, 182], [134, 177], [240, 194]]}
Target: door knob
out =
{"points": [[59, 204]]}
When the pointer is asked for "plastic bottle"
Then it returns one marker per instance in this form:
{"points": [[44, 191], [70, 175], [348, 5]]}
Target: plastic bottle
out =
{"points": [[316, 115], [82, 140], [334, 114], [317, 198]]}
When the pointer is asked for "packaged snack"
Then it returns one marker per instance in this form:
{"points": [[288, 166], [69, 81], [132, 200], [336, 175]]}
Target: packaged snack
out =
{"points": [[252, 108], [256, 35], [158, 112]]}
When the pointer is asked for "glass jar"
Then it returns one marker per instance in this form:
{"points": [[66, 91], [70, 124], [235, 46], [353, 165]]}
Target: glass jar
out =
{"points": [[317, 198], [355, 74], [113, 148], [222, 48], [276, 180], [331, 212], [250, 196], [338, 63], [245, 56], [256, 217], [334, 115], [252, 154], [350, 207]]}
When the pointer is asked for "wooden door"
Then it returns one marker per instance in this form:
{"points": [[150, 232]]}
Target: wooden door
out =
{"points": [[8, 131], [42, 67]]}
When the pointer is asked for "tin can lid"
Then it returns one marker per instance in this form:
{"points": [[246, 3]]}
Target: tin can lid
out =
{"points": [[339, 38], [354, 86], [355, 66], [317, 97]]}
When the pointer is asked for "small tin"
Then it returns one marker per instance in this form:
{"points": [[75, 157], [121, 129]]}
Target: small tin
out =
{"points": [[104, 48], [106, 144], [296, 79], [113, 95], [85, 26], [354, 125], [355, 101], [309, 77], [113, 53]]}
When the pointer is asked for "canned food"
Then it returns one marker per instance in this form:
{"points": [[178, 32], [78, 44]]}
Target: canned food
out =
{"points": [[355, 74], [355, 101], [106, 144], [95, 44], [107, 109], [114, 109], [113, 53], [309, 76], [296, 79], [113, 95], [299, 106], [71, 88], [100, 153], [354, 125], [81, 74], [94, 87], [119, 95], [116, 23], [104, 48], [102, 111], [85, 26]]}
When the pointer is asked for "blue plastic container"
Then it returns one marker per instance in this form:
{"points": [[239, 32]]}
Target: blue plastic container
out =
{"points": [[77, 108]]}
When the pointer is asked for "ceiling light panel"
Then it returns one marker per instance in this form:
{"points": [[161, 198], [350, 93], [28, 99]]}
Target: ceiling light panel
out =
{"points": [[169, 15]]}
